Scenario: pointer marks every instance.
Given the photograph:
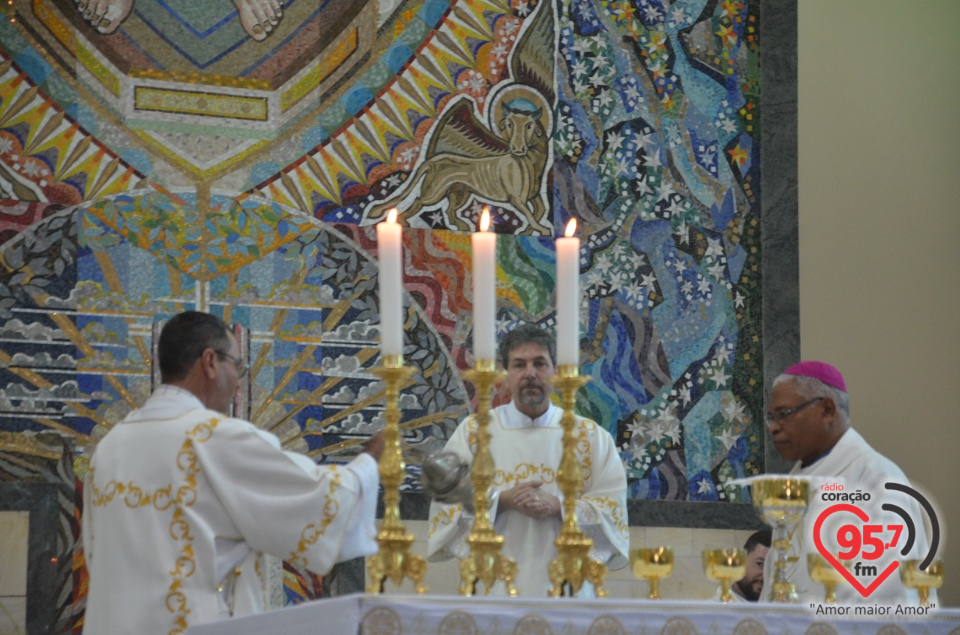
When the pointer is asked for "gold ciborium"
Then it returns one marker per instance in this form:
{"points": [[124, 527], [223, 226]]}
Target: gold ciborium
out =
{"points": [[781, 502], [726, 566], [652, 564], [823, 572], [922, 580]]}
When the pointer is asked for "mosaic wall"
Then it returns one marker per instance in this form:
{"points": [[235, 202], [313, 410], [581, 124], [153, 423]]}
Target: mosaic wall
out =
{"points": [[173, 155]]}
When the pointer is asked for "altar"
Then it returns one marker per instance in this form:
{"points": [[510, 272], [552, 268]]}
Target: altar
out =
{"points": [[455, 615]]}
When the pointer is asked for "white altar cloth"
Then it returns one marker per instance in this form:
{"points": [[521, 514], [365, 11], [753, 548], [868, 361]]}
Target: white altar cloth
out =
{"points": [[361, 614]]}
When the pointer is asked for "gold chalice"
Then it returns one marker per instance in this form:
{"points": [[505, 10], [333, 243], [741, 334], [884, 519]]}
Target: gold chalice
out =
{"points": [[823, 572], [781, 502], [652, 564], [922, 580], [727, 566]]}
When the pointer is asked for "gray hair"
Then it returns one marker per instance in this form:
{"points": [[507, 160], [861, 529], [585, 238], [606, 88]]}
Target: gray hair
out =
{"points": [[812, 388]]}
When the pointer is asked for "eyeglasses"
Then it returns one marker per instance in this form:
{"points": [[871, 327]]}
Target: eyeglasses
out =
{"points": [[237, 363], [781, 415]]}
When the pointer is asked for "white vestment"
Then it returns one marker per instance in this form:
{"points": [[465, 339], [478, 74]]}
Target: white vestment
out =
{"points": [[857, 467], [529, 453], [180, 502], [735, 594]]}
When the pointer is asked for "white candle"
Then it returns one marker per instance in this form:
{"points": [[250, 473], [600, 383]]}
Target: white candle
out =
{"points": [[484, 290], [390, 248], [568, 297]]}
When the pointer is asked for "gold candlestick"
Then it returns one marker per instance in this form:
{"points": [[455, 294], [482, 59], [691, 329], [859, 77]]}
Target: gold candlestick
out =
{"points": [[573, 565], [485, 563], [394, 559]]}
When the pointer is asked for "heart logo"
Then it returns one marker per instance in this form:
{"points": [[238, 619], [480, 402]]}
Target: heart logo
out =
{"points": [[862, 515]]}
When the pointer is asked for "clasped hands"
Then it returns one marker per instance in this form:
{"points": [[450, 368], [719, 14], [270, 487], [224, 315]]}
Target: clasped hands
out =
{"points": [[530, 500]]}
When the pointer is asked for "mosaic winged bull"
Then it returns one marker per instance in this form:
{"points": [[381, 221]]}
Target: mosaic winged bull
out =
{"points": [[505, 170], [496, 150]]}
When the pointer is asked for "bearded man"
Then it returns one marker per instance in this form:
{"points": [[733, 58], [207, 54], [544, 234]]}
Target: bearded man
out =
{"points": [[526, 443]]}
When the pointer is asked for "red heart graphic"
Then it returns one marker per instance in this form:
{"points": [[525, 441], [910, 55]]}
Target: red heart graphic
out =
{"points": [[862, 515]]}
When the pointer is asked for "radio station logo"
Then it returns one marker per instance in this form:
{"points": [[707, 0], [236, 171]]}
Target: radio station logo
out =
{"points": [[864, 540]]}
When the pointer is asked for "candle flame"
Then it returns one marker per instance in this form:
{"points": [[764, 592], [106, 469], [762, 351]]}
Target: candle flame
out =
{"points": [[571, 228], [392, 216], [485, 219]]}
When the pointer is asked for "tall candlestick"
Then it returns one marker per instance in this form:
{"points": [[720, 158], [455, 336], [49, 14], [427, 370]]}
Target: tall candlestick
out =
{"points": [[568, 297], [390, 248], [484, 290]]}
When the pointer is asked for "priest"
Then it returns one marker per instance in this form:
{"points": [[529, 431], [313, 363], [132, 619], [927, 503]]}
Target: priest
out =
{"points": [[181, 501], [526, 444], [809, 422]]}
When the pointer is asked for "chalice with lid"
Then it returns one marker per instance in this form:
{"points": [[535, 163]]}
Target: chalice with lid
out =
{"points": [[781, 502]]}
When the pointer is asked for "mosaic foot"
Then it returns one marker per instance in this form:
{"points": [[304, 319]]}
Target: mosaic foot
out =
{"points": [[105, 16], [258, 17]]}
